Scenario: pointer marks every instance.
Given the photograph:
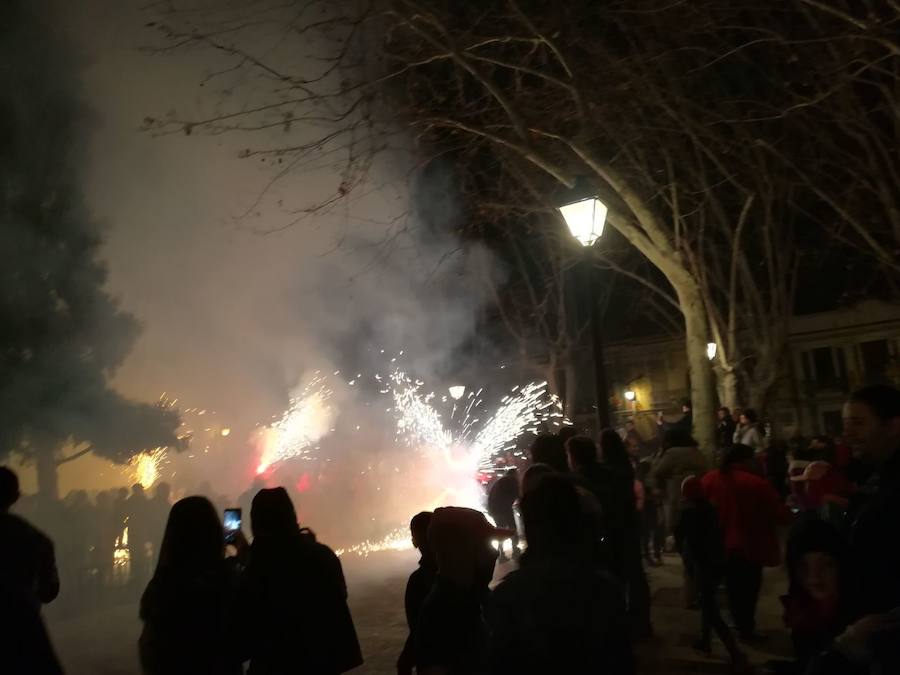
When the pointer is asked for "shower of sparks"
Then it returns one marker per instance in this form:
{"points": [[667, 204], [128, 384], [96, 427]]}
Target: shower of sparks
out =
{"points": [[396, 540], [145, 467], [420, 424], [308, 418], [418, 421], [521, 411]]}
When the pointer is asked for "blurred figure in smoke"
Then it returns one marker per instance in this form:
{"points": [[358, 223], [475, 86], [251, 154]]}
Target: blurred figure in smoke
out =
{"points": [[451, 634], [615, 457], [158, 514], [245, 501], [548, 449], [501, 496], [417, 588], [103, 536], [558, 613], [188, 608], [296, 596], [137, 509], [28, 578]]}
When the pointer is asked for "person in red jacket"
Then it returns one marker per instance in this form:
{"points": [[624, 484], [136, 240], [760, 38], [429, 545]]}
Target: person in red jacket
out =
{"points": [[750, 511]]}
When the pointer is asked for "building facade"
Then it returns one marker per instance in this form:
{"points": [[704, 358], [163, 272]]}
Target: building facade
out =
{"points": [[830, 354]]}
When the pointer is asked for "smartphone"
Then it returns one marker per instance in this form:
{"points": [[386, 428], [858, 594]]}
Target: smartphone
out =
{"points": [[232, 523]]}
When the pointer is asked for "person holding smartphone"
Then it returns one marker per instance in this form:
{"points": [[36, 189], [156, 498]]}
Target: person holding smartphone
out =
{"points": [[189, 608]]}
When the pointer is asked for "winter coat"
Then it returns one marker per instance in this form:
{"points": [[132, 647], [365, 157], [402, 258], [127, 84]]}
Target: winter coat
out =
{"points": [[296, 607], [725, 433], [670, 470], [558, 616], [752, 436], [501, 496], [750, 511], [699, 538], [191, 626], [874, 542]]}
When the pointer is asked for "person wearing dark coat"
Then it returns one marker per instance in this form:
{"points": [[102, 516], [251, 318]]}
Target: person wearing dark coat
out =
{"points": [[699, 540], [557, 613], [295, 596], [549, 449], [614, 456], [191, 626], [872, 642], [28, 578], [725, 427], [417, 588], [615, 496], [501, 496], [451, 634]]}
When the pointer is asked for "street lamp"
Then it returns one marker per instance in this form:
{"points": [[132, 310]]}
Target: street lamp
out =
{"points": [[585, 216], [456, 392], [630, 395], [711, 349], [585, 219]]}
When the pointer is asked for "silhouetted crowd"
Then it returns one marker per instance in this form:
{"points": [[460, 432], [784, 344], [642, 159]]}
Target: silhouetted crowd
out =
{"points": [[584, 519]]}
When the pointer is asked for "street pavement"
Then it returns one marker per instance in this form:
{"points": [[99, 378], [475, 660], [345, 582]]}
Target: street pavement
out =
{"points": [[103, 641]]}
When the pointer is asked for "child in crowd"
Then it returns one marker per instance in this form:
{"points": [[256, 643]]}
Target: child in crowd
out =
{"points": [[818, 605], [699, 540]]}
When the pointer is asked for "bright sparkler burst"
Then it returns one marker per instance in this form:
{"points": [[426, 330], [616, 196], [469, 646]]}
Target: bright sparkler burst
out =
{"points": [[308, 418], [145, 467], [523, 410]]}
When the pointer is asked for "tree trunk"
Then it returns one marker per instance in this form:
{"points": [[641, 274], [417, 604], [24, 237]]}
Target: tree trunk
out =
{"points": [[48, 480], [703, 398], [727, 382], [571, 383]]}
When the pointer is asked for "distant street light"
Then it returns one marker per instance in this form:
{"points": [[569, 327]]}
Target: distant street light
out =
{"points": [[711, 350], [585, 219], [225, 431], [456, 392], [630, 395]]}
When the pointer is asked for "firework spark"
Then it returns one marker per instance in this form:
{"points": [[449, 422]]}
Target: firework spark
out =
{"points": [[519, 412], [308, 418], [396, 540], [145, 467]]}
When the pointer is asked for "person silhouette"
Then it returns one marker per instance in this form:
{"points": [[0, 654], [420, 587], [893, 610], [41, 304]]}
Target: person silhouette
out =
{"points": [[295, 596], [417, 588], [28, 578], [189, 606]]}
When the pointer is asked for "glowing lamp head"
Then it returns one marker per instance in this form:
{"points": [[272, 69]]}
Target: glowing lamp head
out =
{"points": [[630, 395], [711, 349], [585, 219], [225, 431], [457, 392]]}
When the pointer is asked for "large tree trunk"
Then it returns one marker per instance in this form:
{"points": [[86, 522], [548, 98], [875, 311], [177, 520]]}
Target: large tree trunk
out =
{"points": [[727, 384], [48, 479], [703, 398], [571, 389]]}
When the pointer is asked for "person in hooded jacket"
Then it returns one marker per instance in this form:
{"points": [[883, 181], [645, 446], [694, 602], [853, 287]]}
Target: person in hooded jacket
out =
{"points": [[295, 596], [700, 544], [188, 607]]}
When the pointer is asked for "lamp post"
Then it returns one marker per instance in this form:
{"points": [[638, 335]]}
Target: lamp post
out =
{"points": [[631, 397], [456, 391], [585, 216]]}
